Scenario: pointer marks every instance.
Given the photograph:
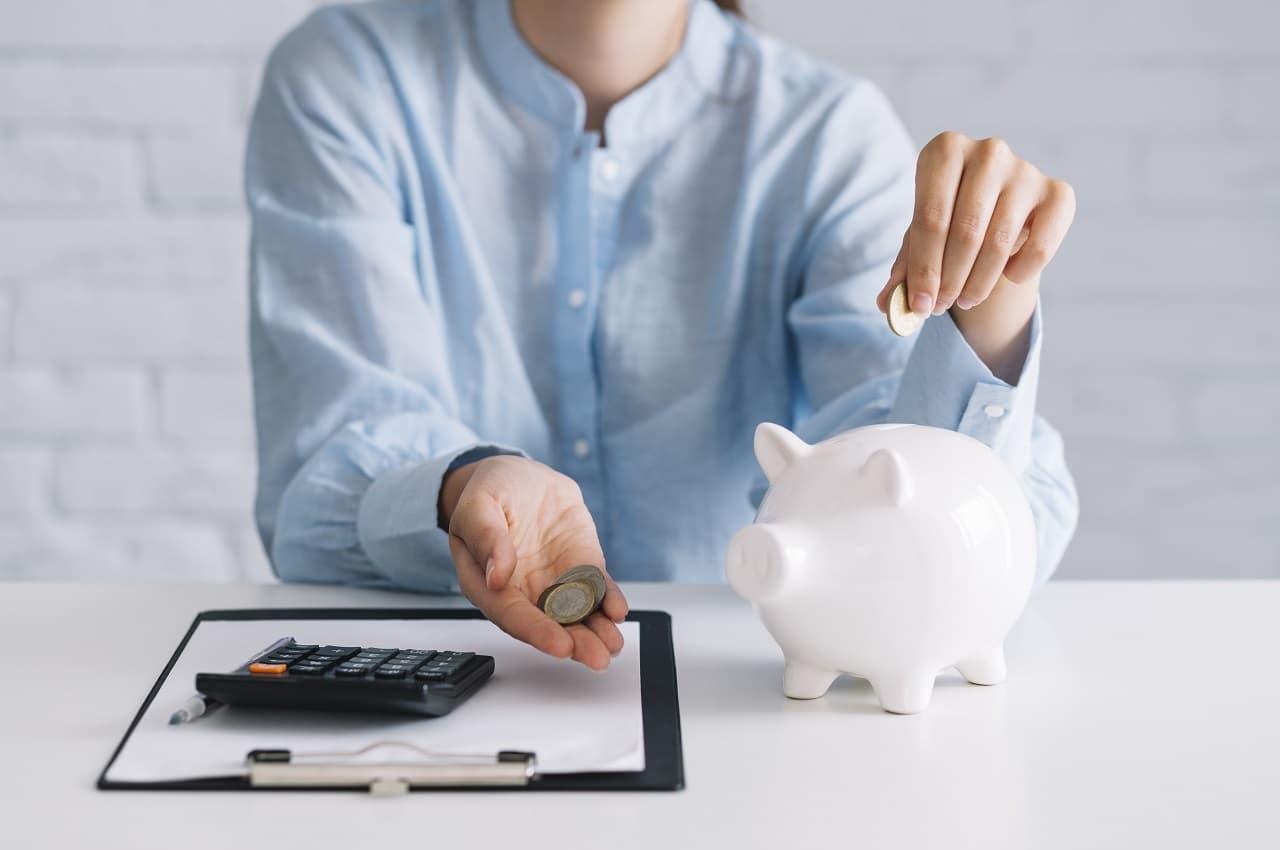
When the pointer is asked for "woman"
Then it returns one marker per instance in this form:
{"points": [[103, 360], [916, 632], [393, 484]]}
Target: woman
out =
{"points": [[527, 275]]}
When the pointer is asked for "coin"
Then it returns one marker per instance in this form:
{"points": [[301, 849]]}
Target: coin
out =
{"points": [[902, 321], [587, 573], [569, 602]]}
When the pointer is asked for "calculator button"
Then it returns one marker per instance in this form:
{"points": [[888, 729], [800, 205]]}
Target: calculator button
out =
{"points": [[280, 659], [258, 668], [303, 670], [337, 651], [430, 675], [390, 673], [379, 650], [320, 660], [344, 670]]}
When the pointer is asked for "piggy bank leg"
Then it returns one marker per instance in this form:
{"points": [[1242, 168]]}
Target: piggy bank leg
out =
{"points": [[802, 681], [907, 694], [985, 668]]}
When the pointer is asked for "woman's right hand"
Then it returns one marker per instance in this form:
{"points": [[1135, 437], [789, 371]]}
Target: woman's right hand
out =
{"points": [[515, 525]]}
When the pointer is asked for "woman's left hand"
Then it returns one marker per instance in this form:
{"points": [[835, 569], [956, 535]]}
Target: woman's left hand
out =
{"points": [[984, 220]]}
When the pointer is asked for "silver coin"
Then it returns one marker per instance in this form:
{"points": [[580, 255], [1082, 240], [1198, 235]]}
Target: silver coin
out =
{"points": [[569, 602], [587, 573]]}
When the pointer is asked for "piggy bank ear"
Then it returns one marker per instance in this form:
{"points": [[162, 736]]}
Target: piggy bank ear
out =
{"points": [[886, 471], [776, 448]]}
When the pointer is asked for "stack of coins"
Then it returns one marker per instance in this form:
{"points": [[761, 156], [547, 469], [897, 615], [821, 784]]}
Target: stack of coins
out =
{"points": [[902, 321], [574, 596]]}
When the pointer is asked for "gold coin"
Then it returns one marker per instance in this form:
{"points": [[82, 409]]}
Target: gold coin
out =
{"points": [[569, 602], [587, 573], [902, 321]]}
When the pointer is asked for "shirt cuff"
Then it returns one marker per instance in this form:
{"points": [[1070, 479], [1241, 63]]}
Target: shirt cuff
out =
{"points": [[945, 384], [397, 521]]}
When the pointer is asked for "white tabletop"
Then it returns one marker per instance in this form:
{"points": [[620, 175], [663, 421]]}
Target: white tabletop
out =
{"points": [[1136, 715]]}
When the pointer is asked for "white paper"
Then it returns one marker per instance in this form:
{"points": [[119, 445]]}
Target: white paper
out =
{"points": [[572, 718]]}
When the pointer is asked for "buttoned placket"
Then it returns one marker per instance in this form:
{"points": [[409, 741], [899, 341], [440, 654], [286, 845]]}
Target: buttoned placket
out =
{"points": [[594, 178]]}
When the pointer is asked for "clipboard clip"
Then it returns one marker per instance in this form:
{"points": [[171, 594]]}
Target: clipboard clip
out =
{"points": [[286, 768]]}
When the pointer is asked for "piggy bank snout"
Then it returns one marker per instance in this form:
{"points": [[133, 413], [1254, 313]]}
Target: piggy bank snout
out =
{"points": [[761, 557]]}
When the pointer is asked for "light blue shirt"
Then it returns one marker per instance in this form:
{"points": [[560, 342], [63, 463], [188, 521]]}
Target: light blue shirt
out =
{"points": [[446, 265]]}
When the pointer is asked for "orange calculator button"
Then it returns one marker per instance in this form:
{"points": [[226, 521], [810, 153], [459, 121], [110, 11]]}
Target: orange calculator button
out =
{"points": [[268, 669]]}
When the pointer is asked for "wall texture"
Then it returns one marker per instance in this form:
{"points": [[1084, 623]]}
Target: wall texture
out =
{"points": [[125, 440]]}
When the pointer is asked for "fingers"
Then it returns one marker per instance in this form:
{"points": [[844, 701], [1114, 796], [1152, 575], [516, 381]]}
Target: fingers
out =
{"points": [[1049, 227], [937, 179], [480, 523], [976, 204], [521, 619], [511, 611], [1007, 221], [985, 177], [589, 648], [614, 605], [606, 630]]}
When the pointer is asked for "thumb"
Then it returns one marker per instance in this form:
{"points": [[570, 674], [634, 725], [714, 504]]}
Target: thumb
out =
{"points": [[481, 524]]}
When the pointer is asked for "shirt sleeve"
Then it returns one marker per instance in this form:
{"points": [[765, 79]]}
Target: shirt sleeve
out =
{"points": [[355, 409], [854, 371]]}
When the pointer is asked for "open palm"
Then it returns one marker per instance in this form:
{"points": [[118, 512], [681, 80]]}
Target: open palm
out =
{"points": [[517, 525]]}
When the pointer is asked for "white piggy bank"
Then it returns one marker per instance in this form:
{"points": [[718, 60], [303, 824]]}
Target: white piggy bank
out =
{"points": [[889, 552]]}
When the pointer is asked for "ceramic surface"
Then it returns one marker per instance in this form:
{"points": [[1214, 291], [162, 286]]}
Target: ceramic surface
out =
{"points": [[889, 552]]}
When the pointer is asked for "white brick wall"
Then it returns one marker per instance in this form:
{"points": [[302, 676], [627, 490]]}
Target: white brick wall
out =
{"points": [[125, 431], [144, 94], [43, 402], [125, 424], [64, 172], [171, 27]]}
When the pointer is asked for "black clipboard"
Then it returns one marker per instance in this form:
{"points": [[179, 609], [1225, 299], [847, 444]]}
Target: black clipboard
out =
{"points": [[659, 704]]}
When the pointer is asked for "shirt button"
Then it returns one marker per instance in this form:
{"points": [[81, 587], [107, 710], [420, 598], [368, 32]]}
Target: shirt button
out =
{"points": [[581, 447], [609, 169], [577, 298], [995, 411]]}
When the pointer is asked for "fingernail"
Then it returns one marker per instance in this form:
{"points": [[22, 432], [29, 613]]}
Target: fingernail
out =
{"points": [[488, 570], [965, 303], [921, 303]]}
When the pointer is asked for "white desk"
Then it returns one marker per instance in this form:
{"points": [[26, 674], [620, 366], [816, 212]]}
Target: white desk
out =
{"points": [[1136, 715]]}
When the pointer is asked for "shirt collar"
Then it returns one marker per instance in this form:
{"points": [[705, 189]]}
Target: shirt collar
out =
{"points": [[701, 67]]}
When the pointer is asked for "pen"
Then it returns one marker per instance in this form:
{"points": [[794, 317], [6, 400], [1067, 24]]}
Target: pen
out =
{"points": [[197, 706], [200, 705]]}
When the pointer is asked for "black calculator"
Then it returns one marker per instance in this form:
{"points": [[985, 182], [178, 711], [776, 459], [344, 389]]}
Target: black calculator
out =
{"points": [[351, 678]]}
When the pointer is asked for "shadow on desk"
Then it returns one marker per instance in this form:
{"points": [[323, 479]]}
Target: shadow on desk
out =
{"points": [[746, 685]]}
